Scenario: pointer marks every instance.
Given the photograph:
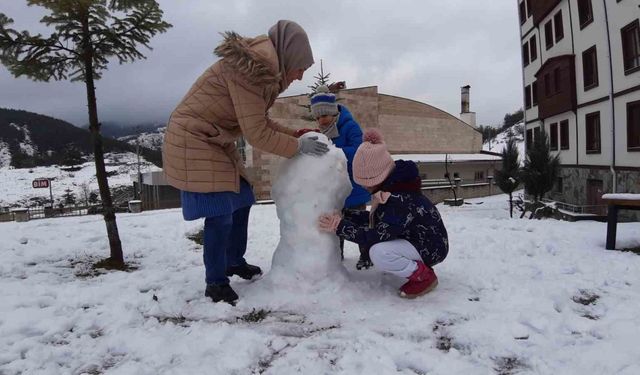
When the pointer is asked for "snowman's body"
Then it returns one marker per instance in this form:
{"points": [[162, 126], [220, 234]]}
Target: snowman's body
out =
{"points": [[306, 187]]}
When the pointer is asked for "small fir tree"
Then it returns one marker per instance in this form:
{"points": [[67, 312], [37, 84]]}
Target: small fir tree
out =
{"points": [[88, 34], [321, 80], [69, 197], [507, 177], [540, 170]]}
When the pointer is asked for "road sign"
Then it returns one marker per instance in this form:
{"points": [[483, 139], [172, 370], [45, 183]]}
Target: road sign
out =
{"points": [[40, 183]]}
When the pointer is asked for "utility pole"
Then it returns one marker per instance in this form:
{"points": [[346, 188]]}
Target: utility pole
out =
{"points": [[50, 193], [138, 191]]}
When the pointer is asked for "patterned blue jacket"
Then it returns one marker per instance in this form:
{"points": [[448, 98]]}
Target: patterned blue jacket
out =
{"points": [[407, 214]]}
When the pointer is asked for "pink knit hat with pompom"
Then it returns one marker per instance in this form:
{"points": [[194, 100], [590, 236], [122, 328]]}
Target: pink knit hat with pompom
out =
{"points": [[372, 163]]}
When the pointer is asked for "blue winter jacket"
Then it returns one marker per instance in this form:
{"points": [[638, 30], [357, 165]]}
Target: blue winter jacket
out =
{"points": [[407, 214], [349, 139]]}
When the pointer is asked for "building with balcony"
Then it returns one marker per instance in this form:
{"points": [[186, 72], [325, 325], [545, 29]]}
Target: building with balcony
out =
{"points": [[581, 81]]}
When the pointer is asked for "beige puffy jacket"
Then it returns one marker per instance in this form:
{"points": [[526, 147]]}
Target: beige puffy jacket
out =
{"points": [[229, 100]]}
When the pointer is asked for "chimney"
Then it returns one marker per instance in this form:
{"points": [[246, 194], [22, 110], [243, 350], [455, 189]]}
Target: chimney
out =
{"points": [[465, 114]]}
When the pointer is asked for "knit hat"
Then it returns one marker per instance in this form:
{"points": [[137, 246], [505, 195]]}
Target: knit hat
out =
{"points": [[372, 163], [323, 102]]}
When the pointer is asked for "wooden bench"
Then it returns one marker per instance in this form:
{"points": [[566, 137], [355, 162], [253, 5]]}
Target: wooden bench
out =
{"points": [[616, 202]]}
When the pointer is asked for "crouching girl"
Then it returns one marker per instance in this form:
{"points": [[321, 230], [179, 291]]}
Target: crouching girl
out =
{"points": [[404, 231]]}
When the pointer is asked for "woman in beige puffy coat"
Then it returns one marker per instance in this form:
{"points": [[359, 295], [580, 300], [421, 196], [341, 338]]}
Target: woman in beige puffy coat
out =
{"points": [[228, 101]]}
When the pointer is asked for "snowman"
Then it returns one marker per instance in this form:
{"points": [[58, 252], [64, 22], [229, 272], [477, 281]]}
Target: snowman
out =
{"points": [[307, 186]]}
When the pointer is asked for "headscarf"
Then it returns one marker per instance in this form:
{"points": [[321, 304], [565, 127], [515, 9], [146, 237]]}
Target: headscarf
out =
{"points": [[292, 46]]}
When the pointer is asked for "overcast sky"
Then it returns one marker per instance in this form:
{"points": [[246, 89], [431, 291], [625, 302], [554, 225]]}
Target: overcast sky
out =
{"points": [[423, 50]]}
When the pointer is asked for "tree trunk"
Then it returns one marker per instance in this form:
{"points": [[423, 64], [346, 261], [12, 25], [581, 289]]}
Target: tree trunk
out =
{"points": [[511, 205], [116, 259]]}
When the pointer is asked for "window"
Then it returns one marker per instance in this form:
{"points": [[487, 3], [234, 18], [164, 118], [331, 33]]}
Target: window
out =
{"points": [[547, 85], [533, 47], [529, 138], [557, 23], [536, 133], [633, 126], [479, 176], [585, 13], [528, 2], [525, 54], [592, 122], [631, 47], [590, 68], [523, 12], [564, 135], [534, 93], [548, 34], [527, 97], [553, 136]]}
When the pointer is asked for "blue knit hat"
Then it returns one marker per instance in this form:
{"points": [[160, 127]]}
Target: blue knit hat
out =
{"points": [[323, 102]]}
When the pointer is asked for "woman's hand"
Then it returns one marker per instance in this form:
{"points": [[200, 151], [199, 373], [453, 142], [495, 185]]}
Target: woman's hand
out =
{"points": [[329, 222], [312, 146]]}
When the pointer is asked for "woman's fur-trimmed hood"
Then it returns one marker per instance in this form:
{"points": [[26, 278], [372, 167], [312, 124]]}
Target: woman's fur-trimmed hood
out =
{"points": [[252, 58]]}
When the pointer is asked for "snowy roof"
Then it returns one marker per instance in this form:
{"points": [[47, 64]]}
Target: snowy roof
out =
{"points": [[440, 158]]}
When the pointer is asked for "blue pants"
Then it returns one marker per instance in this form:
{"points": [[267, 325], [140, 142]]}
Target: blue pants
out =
{"points": [[225, 242]]}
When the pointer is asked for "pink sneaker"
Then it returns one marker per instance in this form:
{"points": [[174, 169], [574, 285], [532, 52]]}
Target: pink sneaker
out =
{"points": [[422, 281]]}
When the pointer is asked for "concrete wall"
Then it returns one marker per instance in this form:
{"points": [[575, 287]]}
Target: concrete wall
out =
{"points": [[574, 185], [439, 194], [466, 171], [414, 127]]}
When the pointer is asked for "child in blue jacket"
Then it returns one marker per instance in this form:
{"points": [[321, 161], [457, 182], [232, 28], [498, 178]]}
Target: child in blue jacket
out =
{"points": [[336, 122], [404, 231]]}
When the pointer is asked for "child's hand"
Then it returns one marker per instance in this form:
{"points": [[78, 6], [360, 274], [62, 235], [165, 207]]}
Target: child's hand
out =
{"points": [[329, 222]]}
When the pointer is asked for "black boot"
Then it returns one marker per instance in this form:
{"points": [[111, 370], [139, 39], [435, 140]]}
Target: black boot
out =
{"points": [[246, 271], [364, 262], [223, 293]]}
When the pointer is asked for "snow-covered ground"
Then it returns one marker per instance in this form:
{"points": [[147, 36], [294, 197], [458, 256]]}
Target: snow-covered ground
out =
{"points": [[499, 142], [16, 189], [515, 296]]}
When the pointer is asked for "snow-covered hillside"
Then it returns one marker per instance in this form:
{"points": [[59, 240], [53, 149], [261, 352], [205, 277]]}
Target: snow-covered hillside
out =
{"points": [[16, 189], [498, 143], [515, 297], [26, 145], [150, 140], [5, 155]]}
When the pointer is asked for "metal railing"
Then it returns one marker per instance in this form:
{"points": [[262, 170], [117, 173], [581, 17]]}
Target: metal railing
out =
{"points": [[578, 209]]}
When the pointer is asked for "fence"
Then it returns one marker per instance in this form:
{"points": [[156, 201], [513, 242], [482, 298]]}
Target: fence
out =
{"points": [[578, 209], [35, 213]]}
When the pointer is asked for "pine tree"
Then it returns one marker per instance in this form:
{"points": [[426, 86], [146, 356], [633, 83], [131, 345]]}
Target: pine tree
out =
{"points": [[93, 197], [540, 170], [69, 197], [507, 177], [321, 80], [88, 33]]}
